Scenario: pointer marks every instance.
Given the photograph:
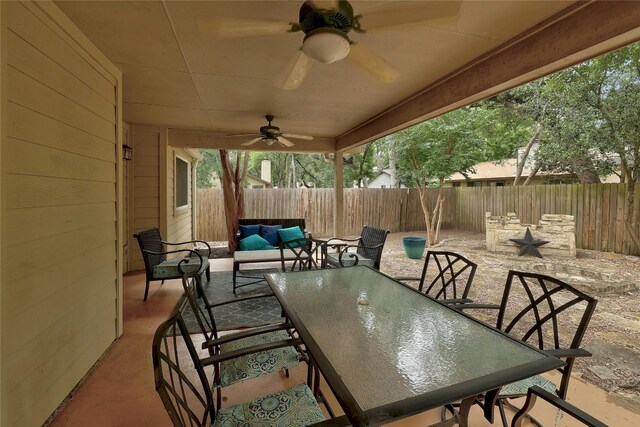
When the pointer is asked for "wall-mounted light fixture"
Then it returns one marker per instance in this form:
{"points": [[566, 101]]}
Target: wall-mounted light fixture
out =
{"points": [[127, 152]]}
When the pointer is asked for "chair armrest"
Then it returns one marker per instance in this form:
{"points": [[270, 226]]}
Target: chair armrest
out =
{"points": [[402, 278], [478, 306], [458, 302], [562, 404], [328, 241], [293, 342], [248, 333], [187, 242], [568, 352]]}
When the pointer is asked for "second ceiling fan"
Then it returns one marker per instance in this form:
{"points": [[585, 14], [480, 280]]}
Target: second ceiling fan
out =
{"points": [[270, 135], [326, 25]]}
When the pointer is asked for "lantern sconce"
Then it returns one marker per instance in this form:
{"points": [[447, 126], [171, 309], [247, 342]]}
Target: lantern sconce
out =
{"points": [[127, 152]]}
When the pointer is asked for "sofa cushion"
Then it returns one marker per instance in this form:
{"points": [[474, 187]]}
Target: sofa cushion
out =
{"points": [[249, 230], [270, 233], [254, 243], [291, 233]]}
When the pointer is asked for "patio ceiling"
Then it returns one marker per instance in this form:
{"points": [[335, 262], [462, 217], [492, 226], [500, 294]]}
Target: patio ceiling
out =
{"points": [[178, 75]]}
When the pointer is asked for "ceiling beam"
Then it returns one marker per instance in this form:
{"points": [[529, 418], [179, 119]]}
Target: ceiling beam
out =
{"points": [[577, 33], [218, 140]]}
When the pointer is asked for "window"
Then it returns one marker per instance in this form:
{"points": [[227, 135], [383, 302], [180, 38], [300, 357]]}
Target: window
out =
{"points": [[181, 183], [455, 184]]}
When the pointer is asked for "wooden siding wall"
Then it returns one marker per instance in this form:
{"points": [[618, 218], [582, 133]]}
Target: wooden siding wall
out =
{"points": [[145, 203], [598, 208], [179, 223], [59, 235]]}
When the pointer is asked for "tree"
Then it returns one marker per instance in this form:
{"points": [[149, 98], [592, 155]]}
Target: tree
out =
{"points": [[208, 168], [233, 190], [430, 152]]}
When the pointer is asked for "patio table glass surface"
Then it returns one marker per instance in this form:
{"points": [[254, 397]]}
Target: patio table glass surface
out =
{"points": [[400, 348]]}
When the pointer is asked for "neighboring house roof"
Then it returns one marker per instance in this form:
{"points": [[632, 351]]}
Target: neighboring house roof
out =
{"points": [[503, 169], [256, 180]]}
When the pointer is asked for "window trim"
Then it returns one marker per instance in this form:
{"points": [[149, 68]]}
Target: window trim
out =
{"points": [[182, 208]]}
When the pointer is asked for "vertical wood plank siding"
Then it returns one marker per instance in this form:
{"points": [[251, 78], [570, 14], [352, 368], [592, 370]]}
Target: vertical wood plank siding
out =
{"points": [[59, 211], [598, 208]]}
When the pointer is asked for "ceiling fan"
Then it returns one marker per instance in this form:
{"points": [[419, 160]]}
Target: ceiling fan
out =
{"points": [[271, 134], [326, 25]]}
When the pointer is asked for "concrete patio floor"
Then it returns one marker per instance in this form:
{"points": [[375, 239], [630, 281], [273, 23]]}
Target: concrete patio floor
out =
{"points": [[119, 391]]}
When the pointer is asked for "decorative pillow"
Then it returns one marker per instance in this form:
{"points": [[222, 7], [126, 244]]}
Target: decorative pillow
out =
{"points": [[254, 243], [249, 230], [291, 233], [270, 233]]}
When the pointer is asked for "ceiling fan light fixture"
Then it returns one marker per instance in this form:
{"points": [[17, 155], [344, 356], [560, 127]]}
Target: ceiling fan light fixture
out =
{"points": [[326, 45], [270, 140]]}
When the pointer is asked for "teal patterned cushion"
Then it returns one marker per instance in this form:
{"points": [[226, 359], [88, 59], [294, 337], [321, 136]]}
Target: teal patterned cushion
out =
{"points": [[347, 261], [256, 364], [294, 407], [520, 388], [168, 269]]}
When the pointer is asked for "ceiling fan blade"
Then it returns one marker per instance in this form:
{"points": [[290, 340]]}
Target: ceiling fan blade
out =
{"points": [[373, 64], [294, 73], [285, 141], [245, 134], [234, 27], [296, 136], [251, 142], [410, 13]]}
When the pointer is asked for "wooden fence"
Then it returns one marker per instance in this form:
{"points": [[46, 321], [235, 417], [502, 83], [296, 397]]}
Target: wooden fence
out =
{"points": [[598, 208]]}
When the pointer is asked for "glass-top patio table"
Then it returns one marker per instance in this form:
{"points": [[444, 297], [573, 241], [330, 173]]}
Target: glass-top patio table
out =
{"points": [[388, 351]]}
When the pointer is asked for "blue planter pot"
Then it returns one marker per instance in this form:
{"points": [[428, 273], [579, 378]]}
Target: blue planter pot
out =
{"points": [[414, 246]]}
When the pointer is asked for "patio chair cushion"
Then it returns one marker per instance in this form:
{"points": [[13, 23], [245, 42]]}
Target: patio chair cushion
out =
{"points": [[254, 243], [521, 387], [270, 233], [248, 230], [291, 233], [168, 269], [293, 407], [256, 364], [334, 260]]}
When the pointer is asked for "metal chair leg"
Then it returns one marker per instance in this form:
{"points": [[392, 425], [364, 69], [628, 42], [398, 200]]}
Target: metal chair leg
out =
{"points": [[146, 290]]}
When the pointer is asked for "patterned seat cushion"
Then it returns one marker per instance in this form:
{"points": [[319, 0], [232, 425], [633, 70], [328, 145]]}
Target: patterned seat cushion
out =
{"points": [[256, 364], [347, 261], [168, 269], [519, 388], [294, 407]]}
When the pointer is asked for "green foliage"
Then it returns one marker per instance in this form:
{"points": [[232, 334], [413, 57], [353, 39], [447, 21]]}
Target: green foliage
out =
{"points": [[208, 168], [434, 150]]}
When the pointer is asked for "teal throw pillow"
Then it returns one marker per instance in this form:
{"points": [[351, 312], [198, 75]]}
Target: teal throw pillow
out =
{"points": [[291, 233], [254, 243]]}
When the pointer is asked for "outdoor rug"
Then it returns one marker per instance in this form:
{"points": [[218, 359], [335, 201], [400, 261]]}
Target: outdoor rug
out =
{"points": [[237, 315]]}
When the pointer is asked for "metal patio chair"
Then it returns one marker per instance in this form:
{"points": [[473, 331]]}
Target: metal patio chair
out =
{"points": [[251, 364], [302, 254], [446, 276], [156, 264], [541, 311], [368, 249], [554, 400], [183, 386]]}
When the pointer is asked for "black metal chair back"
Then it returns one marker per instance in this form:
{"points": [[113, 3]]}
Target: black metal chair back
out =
{"points": [[372, 236], [548, 313], [151, 241], [308, 254], [202, 312], [187, 399], [447, 275]]}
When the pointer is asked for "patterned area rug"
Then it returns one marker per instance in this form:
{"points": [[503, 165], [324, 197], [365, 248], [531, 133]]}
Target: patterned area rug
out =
{"points": [[237, 315]]}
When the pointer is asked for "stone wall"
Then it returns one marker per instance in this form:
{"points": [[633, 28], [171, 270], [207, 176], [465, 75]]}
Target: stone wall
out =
{"points": [[559, 230]]}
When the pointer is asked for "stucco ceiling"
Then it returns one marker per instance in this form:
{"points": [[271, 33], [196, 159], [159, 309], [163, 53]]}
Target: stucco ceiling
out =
{"points": [[179, 75]]}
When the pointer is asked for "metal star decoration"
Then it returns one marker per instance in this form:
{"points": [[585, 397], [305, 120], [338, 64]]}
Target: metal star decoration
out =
{"points": [[528, 245]]}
